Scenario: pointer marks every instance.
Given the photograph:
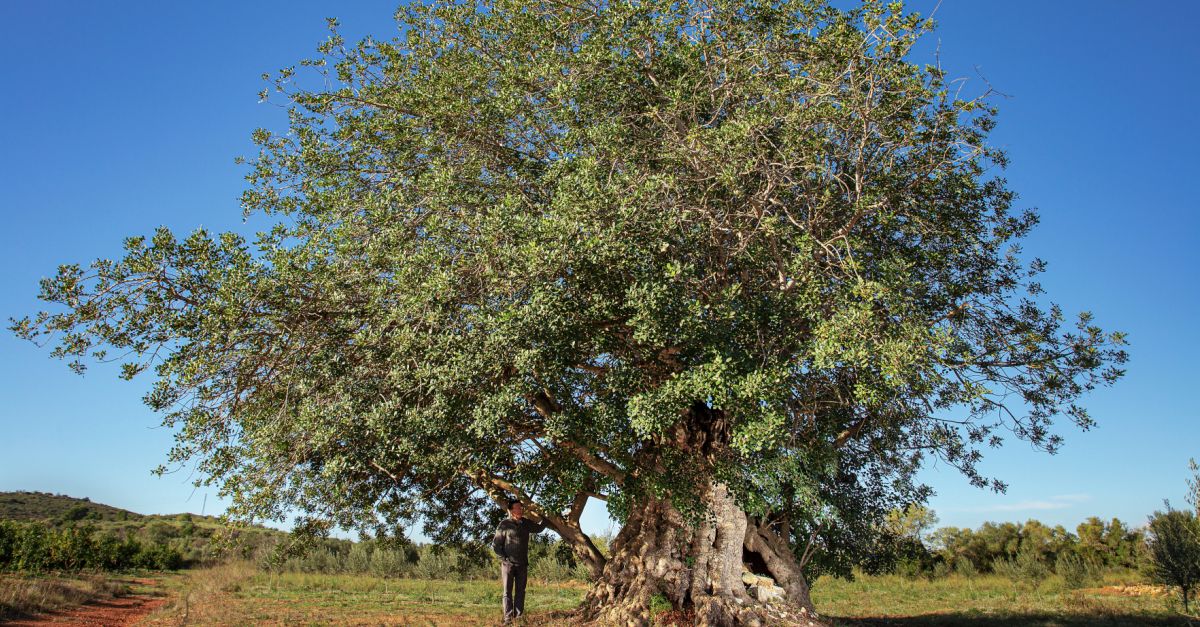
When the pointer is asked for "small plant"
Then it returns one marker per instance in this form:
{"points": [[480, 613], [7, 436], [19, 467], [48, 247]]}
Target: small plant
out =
{"points": [[1006, 567], [659, 603], [388, 563], [437, 565], [550, 569], [1030, 564], [358, 560], [1075, 571], [965, 568], [78, 512]]}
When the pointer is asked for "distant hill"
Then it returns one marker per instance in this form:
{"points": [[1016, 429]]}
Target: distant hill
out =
{"points": [[190, 533], [31, 506], [44, 506]]}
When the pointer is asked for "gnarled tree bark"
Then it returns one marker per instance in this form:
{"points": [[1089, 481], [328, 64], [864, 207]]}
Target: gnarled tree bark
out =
{"points": [[698, 568]]}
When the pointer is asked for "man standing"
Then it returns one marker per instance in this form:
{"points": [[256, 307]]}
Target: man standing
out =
{"points": [[511, 543]]}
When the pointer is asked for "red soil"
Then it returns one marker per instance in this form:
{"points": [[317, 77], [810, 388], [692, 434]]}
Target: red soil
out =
{"points": [[126, 610]]}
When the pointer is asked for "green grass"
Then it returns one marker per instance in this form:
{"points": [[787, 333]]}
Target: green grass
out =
{"points": [[478, 599], [984, 601], [244, 594], [241, 593]]}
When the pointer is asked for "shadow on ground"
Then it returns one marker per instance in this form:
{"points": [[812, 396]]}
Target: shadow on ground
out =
{"points": [[972, 619], [960, 619]]}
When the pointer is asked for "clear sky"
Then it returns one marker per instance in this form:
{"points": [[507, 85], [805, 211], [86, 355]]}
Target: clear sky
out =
{"points": [[122, 116]]}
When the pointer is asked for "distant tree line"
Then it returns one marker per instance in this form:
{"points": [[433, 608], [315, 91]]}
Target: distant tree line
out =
{"points": [[1166, 550], [1031, 550], [1110, 544], [550, 560]]}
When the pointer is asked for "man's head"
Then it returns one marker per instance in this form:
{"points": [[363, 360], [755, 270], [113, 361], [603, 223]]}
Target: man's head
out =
{"points": [[516, 508]]}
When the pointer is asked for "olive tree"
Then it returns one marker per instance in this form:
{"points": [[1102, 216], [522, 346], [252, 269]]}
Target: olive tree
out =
{"points": [[1174, 539], [736, 269]]}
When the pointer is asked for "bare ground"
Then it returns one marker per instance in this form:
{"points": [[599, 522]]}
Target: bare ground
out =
{"points": [[122, 610]]}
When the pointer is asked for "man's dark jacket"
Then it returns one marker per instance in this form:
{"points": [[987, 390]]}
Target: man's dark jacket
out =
{"points": [[511, 541]]}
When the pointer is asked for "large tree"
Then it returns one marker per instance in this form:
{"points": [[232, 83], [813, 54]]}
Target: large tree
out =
{"points": [[735, 268]]}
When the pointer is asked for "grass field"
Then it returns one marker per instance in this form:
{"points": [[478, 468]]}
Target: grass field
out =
{"points": [[992, 601], [22, 595], [238, 594]]}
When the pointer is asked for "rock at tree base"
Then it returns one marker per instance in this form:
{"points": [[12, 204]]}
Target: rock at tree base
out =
{"points": [[766, 593]]}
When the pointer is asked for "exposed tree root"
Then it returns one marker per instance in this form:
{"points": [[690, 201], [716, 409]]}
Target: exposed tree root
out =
{"points": [[657, 559]]}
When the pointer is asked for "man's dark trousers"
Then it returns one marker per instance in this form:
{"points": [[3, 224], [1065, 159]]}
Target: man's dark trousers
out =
{"points": [[512, 577], [511, 543]]}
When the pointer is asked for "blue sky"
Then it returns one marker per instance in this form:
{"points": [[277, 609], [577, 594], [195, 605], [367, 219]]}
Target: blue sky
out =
{"points": [[122, 116]]}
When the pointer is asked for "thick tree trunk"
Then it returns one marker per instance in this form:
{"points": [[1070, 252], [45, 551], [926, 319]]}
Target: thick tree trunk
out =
{"points": [[698, 569]]}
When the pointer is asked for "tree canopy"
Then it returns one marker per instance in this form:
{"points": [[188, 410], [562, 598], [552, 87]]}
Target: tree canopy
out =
{"points": [[519, 244]]}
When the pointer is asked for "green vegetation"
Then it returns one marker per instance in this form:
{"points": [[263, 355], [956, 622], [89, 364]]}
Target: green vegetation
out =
{"points": [[43, 506], [60, 533], [990, 601], [549, 560], [756, 259], [1003, 573], [32, 547], [1175, 550], [1019, 552], [998, 574], [41, 531], [1029, 551], [242, 593]]}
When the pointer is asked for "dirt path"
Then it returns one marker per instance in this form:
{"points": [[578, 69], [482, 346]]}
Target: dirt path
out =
{"points": [[124, 610]]}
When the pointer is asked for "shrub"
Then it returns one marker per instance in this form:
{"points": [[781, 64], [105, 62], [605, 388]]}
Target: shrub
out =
{"points": [[1030, 564], [321, 560], [1006, 567], [358, 560], [551, 569], [160, 532], [910, 558], [158, 557], [30, 551], [388, 563], [908, 568], [437, 565], [1075, 571], [77, 512], [7, 541]]}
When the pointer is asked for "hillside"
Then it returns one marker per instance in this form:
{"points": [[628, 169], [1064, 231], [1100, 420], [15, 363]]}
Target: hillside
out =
{"points": [[32, 506], [191, 534], [43, 506]]}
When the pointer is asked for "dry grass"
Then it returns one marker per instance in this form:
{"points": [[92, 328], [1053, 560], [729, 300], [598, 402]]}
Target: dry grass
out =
{"points": [[25, 595], [202, 596]]}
